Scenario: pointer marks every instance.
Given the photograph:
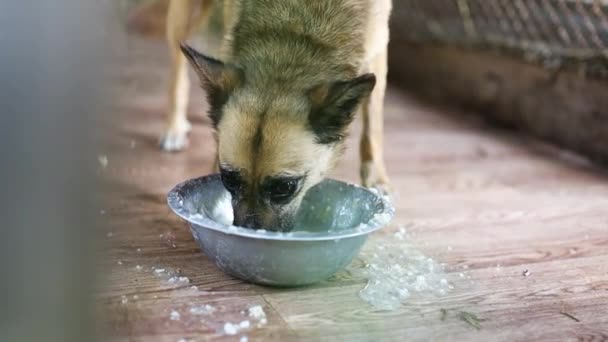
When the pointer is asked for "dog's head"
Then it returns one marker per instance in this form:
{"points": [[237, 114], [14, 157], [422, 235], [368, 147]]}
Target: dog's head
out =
{"points": [[273, 145]]}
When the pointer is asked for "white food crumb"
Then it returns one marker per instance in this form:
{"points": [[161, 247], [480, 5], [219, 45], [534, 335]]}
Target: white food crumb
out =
{"points": [[244, 339], [194, 287], [174, 316], [244, 324], [230, 329], [222, 211], [202, 310], [139, 250], [174, 280], [103, 160], [135, 297], [138, 267], [124, 299], [159, 270], [110, 234], [263, 321], [257, 312], [401, 234], [119, 262]]}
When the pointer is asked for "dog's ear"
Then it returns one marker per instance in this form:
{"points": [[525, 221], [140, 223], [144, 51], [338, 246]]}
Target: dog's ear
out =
{"points": [[217, 79], [334, 105]]}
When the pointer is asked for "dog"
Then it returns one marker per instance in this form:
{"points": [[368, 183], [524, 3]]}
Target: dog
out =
{"points": [[289, 79]]}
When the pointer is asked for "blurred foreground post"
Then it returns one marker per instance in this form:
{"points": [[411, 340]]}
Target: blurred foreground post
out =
{"points": [[51, 71]]}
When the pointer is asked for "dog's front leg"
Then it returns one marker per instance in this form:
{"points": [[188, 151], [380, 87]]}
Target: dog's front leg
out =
{"points": [[178, 22], [183, 16], [373, 171]]}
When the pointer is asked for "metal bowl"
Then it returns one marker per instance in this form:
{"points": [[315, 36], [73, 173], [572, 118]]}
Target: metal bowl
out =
{"points": [[333, 222]]}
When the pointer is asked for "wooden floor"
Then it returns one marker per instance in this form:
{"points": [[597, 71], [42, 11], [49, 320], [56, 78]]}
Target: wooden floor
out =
{"points": [[482, 201]]}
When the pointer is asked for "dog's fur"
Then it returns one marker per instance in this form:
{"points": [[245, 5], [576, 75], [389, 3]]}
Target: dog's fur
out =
{"points": [[291, 75]]}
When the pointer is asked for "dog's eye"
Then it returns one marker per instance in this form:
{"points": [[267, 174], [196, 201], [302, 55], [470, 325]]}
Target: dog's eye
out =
{"points": [[232, 180], [281, 190]]}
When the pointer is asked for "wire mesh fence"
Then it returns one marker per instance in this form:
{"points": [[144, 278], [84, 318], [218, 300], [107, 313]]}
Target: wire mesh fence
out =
{"points": [[556, 33]]}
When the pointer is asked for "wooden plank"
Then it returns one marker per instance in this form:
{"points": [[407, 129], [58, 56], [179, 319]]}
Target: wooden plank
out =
{"points": [[470, 196], [513, 307]]}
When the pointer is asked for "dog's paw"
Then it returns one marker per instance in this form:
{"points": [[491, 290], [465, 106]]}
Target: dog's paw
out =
{"points": [[375, 177], [383, 188], [176, 137]]}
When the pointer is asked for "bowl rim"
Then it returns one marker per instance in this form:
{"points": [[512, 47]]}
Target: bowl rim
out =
{"points": [[378, 221]]}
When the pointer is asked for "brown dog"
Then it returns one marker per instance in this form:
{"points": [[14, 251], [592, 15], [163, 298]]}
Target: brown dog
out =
{"points": [[289, 80]]}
